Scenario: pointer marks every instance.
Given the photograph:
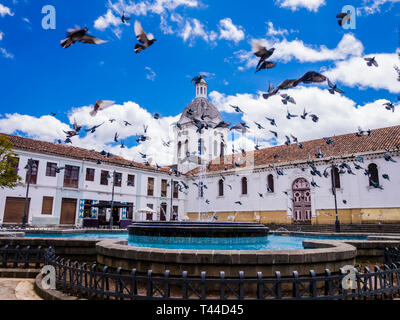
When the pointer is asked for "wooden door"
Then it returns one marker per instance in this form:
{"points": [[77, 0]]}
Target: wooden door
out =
{"points": [[163, 212], [68, 211], [301, 201], [14, 210]]}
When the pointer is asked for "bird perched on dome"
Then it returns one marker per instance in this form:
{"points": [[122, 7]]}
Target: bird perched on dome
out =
{"points": [[197, 79]]}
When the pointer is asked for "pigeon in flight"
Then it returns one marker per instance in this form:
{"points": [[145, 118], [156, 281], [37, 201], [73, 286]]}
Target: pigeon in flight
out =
{"points": [[271, 92], [333, 88], [389, 158], [344, 18], [371, 62], [94, 128], [261, 52], [389, 106], [274, 133], [237, 109], [240, 127], [304, 115], [126, 123], [266, 65], [197, 79], [124, 18], [314, 118], [290, 116], [116, 137], [287, 84], [146, 41], [223, 125], [79, 35], [271, 121], [259, 126], [156, 116], [329, 141], [311, 77], [101, 105], [286, 98]]}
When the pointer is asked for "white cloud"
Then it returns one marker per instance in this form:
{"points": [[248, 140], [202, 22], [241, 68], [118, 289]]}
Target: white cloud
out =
{"points": [[49, 128], [5, 11], [109, 19], [311, 5], [151, 75], [6, 54], [296, 50], [374, 6], [275, 32], [355, 72], [195, 29], [338, 114], [229, 31]]}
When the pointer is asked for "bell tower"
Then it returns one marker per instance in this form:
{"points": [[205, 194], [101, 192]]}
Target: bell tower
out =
{"points": [[201, 89]]}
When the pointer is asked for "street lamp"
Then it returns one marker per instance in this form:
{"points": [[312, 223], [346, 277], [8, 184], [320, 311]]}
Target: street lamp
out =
{"points": [[333, 175], [112, 198], [30, 165]]}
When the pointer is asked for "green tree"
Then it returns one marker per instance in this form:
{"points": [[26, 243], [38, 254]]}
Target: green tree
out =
{"points": [[9, 177]]}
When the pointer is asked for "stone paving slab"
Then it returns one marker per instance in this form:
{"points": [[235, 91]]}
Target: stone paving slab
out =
{"points": [[17, 289]]}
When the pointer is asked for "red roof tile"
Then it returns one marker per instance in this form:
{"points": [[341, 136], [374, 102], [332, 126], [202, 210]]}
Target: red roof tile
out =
{"points": [[384, 139], [73, 152]]}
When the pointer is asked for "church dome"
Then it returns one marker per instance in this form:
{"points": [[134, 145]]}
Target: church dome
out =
{"points": [[201, 107]]}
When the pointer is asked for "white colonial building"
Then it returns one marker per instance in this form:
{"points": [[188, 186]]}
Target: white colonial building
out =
{"points": [[280, 185]]}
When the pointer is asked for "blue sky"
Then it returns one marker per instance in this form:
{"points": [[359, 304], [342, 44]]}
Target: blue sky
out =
{"points": [[39, 77]]}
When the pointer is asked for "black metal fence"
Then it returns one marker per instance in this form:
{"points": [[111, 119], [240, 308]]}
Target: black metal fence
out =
{"points": [[90, 282], [23, 258], [93, 282]]}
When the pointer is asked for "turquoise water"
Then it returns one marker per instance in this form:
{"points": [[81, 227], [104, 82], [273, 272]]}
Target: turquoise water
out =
{"points": [[272, 242]]}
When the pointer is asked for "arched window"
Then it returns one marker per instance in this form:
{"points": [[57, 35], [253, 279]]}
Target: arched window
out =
{"points": [[335, 178], [271, 186], [200, 149], [222, 154], [373, 175], [186, 147], [244, 186], [221, 188], [179, 149]]}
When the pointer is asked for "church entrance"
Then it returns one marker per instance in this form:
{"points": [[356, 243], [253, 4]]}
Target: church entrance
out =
{"points": [[301, 201]]}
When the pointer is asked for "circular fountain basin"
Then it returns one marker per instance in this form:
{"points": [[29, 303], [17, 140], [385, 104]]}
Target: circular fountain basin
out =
{"points": [[176, 229]]}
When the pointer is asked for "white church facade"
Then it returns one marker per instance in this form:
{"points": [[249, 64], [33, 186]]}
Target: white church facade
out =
{"points": [[277, 185]]}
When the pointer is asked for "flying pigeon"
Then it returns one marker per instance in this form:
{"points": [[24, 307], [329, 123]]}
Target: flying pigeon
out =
{"points": [[259, 126], [237, 109], [94, 128], [266, 65], [314, 118], [344, 18], [371, 62], [271, 92], [274, 133], [271, 121], [311, 77], [124, 18], [142, 38], [156, 116], [333, 88], [287, 84], [286, 98], [101, 105], [389, 106], [197, 79], [329, 141], [240, 127], [261, 52], [223, 125], [290, 116], [79, 35], [116, 137], [304, 115], [389, 158]]}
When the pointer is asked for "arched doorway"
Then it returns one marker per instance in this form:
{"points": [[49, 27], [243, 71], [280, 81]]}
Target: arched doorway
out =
{"points": [[301, 201]]}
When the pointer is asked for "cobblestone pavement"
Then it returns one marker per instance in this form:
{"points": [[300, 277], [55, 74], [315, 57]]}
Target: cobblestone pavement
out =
{"points": [[17, 289]]}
